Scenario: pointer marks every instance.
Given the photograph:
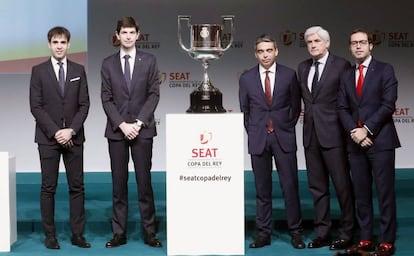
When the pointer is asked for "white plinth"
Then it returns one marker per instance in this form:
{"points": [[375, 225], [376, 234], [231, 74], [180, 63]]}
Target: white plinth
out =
{"points": [[205, 184], [8, 222]]}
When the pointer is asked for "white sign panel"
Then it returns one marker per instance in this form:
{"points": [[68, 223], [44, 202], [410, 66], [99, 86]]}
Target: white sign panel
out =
{"points": [[205, 184]]}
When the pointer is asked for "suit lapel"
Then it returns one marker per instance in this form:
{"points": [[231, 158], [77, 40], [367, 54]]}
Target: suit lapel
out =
{"points": [[304, 77], [53, 77], [370, 73]]}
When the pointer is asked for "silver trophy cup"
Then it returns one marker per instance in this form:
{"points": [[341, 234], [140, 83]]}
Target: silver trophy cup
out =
{"points": [[206, 46]]}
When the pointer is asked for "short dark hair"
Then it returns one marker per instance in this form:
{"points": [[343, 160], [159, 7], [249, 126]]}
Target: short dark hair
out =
{"points": [[265, 38], [126, 22], [58, 31], [361, 30]]}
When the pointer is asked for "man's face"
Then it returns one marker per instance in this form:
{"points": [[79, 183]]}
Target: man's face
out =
{"points": [[360, 47], [59, 45], [266, 54], [317, 47], [127, 36]]}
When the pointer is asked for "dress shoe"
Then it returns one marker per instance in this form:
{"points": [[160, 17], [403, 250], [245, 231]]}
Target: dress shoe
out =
{"points": [[297, 242], [152, 241], [385, 249], [259, 242], [319, 242], [340, 244], [363, 245], [80, 241], [117, 240], [52, 243]]}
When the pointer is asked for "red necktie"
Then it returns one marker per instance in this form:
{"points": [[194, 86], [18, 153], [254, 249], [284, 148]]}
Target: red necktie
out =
{"points": [[268, 93], [360, 80]]}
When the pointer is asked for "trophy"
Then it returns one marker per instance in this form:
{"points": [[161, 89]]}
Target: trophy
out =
{"points": [[206, 46]]}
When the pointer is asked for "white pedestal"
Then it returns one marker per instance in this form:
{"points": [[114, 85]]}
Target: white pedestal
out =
{"points": [[205, 184], [8, 222]]}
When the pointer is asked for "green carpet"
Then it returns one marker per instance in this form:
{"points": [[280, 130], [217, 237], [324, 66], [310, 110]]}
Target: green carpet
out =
{"points": [[99, 208]]}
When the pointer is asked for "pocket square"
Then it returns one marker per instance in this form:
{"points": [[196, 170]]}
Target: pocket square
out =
{"points": [[75, 79]]}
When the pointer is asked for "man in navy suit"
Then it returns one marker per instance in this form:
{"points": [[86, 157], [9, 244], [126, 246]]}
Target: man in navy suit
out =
{"points": [[324, 139], [366, 103], [59, 102], [270, 101], [130, 95]]}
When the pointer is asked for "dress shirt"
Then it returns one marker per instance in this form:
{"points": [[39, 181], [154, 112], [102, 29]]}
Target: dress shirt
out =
{"points": [[321, 66], [272, 73]]}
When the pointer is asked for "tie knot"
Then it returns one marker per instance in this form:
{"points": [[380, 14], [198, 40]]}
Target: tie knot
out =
{"points": [[316, 63], [127, 56], [60, 64], [361, 68], [267, 72]]}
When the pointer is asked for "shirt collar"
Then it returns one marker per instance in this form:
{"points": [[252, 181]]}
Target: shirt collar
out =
{"points": [[131, 53], [272, 69], [366, 62], [323, 59], [55, 61]]}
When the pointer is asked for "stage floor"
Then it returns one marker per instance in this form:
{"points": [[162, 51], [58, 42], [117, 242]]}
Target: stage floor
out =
{"points": [[98, 190]]}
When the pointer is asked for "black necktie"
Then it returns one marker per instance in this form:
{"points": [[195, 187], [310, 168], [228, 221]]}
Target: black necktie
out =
{"points": [[315, 78], [127, 72], [61, 77]]}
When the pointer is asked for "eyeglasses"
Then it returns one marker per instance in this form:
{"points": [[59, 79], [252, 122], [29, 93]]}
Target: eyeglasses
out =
{"points": [[361, 43]]}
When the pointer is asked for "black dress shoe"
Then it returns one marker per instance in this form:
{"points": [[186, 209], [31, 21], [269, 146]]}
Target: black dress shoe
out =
{"points": [[319, 242], [80, 241], [51, 242], [117, 240], [152, 241], [297, 242], [260, 241], [363, 245], [340, 244]]}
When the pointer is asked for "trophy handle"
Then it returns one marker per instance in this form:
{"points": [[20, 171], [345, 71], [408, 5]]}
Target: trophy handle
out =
{"points": [[231, 19], [180, 40]]}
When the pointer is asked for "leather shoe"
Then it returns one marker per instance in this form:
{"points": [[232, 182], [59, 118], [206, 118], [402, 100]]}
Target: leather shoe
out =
{"points": [[260, 241], [51, 242], [363, 245], [80, 241], [297, 241], [152, 241], [117, 240], [319, 242], [385, 249], [340, 244]]}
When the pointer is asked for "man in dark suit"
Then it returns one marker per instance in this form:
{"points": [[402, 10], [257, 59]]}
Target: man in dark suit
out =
{"points": [[324, 139], [366, 103], [270, 101], [59, 102], [130, 95]]}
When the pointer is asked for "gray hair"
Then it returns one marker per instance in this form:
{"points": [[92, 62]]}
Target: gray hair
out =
{"points": [[320, 31]]}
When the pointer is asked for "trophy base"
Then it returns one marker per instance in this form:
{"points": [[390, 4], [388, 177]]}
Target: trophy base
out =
{"points": [[206, 102]]}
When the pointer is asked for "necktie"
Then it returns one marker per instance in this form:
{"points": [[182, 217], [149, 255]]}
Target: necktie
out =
{"points": [[127, 72], [61, 77], [268, 93], [360, 80], [315, 78]]}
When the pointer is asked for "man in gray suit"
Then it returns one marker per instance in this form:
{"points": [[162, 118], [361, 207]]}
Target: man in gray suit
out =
{"points": [[130, 95], [59, 101], [324, 139]]}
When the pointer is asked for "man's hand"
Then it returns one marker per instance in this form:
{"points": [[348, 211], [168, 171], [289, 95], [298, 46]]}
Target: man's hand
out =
{"points": [[130, 130], [359, 134], [63, 136]]}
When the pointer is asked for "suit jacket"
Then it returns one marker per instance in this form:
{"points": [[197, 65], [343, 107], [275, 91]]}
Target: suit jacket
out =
{"points": [[52, 110], [320, 111], [284, 110], [121, 105], [375, 107]]}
